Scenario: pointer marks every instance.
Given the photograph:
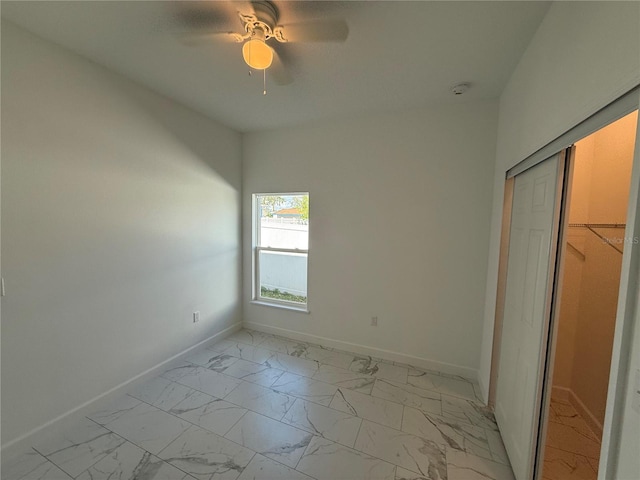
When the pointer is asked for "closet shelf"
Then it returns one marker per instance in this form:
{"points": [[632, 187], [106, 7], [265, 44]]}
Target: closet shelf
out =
{"points": [[599, 225], [591, 226]]}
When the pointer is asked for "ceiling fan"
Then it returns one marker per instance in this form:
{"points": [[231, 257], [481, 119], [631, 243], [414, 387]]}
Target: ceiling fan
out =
{"points": [[262, 36]]}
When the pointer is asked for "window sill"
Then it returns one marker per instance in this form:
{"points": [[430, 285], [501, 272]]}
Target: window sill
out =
{"points": [[282, 306]]}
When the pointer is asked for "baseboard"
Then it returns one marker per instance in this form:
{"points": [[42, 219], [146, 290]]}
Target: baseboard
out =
{"points": [[389, 355], [569, 396], [586, 414], [560, 393], [484, 390], [23, 443]]}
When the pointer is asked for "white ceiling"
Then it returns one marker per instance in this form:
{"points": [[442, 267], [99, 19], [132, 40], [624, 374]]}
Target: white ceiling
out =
{"points": [[399, 54]]}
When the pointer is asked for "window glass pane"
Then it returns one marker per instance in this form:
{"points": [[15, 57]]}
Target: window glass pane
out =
{"points": [[283, 221], [283, 276]]}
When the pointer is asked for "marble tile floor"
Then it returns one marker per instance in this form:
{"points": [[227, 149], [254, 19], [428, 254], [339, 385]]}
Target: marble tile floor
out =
{"points": [[572, 449], [258, 406]]}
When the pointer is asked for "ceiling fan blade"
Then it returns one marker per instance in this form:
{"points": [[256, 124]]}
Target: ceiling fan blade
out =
{"points": [[201, 15], [209, 15], [194, 39], [328, 31], [278, 71]]}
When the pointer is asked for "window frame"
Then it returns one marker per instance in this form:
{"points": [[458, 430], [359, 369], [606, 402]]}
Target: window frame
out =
{"points": [[256, 296]]}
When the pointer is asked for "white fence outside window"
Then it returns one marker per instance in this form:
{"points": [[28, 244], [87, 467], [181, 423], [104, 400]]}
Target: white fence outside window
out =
{"points": [[286, 272]]}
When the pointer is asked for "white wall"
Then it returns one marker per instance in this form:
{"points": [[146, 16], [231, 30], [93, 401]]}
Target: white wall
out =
{"points": [[120, 217], [583, 56], [398, 228]]}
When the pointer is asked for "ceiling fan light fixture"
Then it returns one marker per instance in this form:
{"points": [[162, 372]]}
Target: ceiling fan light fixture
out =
{"points": [[257, 54]]}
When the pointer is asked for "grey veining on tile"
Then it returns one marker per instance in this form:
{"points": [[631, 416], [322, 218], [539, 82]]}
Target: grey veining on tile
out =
{"points": [[263, 468], [572, 439], [221, 346], [414, 453], [368, 407], [561, 465], [404, 474], [203, 379], [261, 400], [552, 416], [161, 393], [254, 372], [250, 337], [292, 364], [379, 369], [477, 392], [212, 360], [568, 415], [131, 462], [464, 466], [408, 395], [208, 412], [345, 378], [47, 471], [251, 353], [311, 413], [78, 447], [328, 423], [114, 410], [438, 383], [283, 345], [498, 452], [595, 464], [323, 356], [32, 466], [446, 432], [327, 460], [467, 411], [205, 455], [305, 387], [270, 438], [148, 427]]}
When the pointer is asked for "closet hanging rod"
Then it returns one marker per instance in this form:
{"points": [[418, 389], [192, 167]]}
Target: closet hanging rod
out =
{"points": [[599, 225]]}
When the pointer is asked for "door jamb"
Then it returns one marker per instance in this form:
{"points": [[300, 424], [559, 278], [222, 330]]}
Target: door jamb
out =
{"points": [[507, 207], [627, 318]]}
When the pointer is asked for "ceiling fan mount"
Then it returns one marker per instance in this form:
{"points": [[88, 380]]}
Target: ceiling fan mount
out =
{"points": [[263, 22]]}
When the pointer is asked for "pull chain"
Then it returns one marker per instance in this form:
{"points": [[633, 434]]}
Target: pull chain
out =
{"points": [[264, 81], [252, 33]]}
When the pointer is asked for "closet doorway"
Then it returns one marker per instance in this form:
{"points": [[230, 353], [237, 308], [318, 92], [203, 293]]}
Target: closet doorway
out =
{"points": [[593, 241]]}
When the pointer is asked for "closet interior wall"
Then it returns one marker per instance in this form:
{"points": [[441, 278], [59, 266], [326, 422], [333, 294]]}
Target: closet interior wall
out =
{"points": [[595, 241]]}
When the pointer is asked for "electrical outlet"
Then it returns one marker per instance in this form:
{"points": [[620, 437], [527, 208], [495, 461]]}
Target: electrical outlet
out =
{"points": [[374, 321], [196, 317]]}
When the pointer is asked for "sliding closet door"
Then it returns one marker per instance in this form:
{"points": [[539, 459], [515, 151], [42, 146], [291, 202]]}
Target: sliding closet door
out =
{"points": [[532, 255]]}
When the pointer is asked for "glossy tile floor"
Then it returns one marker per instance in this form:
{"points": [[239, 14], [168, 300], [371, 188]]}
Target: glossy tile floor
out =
{"points": [[572, 450], [256, 406]]}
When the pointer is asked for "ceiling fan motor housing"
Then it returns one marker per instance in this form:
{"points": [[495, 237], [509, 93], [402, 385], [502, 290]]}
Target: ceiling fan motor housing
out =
{"points": [[266, 12], [262, 22]]}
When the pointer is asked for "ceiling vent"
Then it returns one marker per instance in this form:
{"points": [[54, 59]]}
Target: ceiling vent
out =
{"points": [[460, 88]]}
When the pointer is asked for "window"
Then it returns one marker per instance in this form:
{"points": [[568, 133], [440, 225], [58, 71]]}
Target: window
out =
{"points": [[281, 249]]}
